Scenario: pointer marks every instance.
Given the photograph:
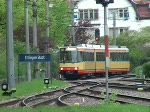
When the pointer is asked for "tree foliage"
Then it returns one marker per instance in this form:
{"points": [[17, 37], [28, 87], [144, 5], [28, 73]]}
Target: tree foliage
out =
{"points": [[59, 22], [81, 33], [139, 44]]}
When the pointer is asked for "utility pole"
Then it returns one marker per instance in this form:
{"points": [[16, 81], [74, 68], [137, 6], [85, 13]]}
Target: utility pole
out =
{"points": [[28, 66], [10, 45], [106, 50], [72, 29], [114, 27], [48, 36], [105, 4], [35, 45]]}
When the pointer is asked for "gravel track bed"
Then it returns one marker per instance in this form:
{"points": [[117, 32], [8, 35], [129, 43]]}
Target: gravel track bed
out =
{"points": [[16, 105], [34, 100], [117, 98], [141, 94], [134, 93], [81, 100]]}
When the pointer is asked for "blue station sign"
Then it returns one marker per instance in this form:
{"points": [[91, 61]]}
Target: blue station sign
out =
{"points": [[34, 57]]}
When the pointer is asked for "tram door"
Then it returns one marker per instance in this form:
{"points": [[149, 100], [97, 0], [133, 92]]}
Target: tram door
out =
{"points": [[89, 61]]}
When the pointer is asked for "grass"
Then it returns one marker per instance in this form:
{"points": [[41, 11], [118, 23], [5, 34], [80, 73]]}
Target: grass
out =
{"points": [[100, 108], [33, 87]]}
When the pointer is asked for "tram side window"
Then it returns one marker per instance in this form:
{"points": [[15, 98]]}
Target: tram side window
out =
{"points": [[119, 56], [126, 56], [84, 56], [88, 56], [91, 56], [60, 56], [100, 56], [80, 56], [115, 56]]}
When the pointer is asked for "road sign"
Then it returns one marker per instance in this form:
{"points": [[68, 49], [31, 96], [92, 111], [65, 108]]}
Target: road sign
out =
{"points": [[34, 57]]}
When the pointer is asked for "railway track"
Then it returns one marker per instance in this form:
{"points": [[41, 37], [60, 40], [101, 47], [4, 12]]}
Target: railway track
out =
{"points": [[48, 98], [123, 94], [82, 93], [15, 103], [147, 81]]}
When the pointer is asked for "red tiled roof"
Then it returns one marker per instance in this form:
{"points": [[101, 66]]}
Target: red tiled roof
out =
{"points": [[143, 11], [141, 8]]}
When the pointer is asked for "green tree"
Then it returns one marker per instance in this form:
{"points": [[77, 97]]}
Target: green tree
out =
{"points": [[138, 43], [60, 19]]}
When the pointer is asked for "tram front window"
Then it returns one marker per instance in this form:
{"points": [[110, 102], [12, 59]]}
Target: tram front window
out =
{"points": [[68, 56]]}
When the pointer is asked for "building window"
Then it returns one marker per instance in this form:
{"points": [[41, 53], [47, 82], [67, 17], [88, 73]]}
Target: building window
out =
{"points": [[95, 14], [88, 14], [120, 13], [119, 30]]}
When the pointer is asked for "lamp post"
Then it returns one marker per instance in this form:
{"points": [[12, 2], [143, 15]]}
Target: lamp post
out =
{"points": [[28, 66], [47, 18], [105, 4], [46, 43], [35, 44], [72, 29]]}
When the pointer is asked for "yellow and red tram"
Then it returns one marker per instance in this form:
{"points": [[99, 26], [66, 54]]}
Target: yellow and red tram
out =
{"points": [[85, 59]]}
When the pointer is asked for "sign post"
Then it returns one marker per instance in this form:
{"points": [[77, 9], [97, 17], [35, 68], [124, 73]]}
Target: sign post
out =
{"points": [[33, 58]]}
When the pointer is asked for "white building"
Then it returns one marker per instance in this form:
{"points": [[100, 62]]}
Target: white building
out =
{"points": [[129, 15]]}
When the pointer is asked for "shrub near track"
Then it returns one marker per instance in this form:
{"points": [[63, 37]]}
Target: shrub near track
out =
{"points": [[146, 69]]}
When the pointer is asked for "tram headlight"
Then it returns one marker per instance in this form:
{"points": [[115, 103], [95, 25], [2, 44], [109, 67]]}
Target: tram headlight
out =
{"points": [[76, 68], [61, 68]]}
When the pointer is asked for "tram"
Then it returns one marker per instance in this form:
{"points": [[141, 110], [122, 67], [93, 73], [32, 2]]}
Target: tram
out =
{"points": [[87, 59]]}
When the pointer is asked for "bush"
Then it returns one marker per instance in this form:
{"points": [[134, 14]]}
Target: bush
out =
{"points": [[137, 71], [146, 69]]}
